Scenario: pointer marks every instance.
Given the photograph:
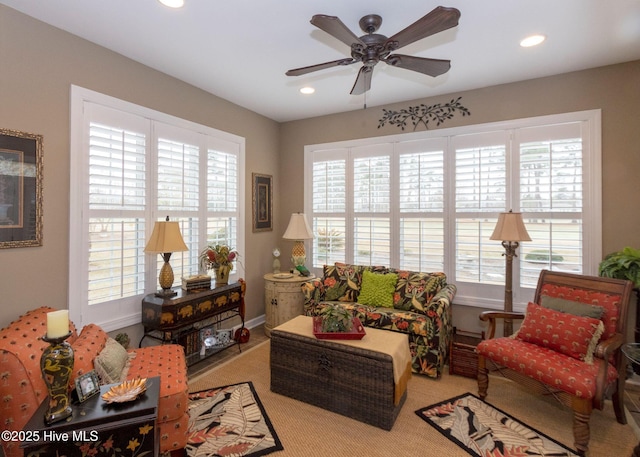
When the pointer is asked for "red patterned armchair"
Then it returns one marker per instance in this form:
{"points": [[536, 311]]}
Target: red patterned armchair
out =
{"points": [[568, 345]]}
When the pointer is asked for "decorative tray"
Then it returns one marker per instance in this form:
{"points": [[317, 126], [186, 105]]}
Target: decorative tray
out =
{"points": [[282, 275], [127, 391], [356, 333]]}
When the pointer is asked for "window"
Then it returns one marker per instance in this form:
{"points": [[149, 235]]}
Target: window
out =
{"points": [[131, 166], [429, 201]]}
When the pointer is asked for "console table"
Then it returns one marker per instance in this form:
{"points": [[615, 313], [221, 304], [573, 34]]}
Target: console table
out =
{"points": [[96, 426], [185, 318]]}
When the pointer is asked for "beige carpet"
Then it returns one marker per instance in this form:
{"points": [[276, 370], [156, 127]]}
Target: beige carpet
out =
{"points": [[314, 432]]}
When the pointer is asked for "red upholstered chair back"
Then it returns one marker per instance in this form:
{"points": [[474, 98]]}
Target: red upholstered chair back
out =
{"points": [[612, 295]]}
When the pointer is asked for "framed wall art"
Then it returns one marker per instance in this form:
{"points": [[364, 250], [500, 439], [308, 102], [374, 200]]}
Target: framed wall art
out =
{"points": [[262, 202], [20, 189]]}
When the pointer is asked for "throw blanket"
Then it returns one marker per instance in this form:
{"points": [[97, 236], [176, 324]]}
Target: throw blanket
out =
{"points": [[393, 344]]}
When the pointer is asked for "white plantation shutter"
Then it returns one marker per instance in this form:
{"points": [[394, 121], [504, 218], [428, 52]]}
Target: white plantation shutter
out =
{"points": [[480, 195], [372, 205], [329, 203], [116, 201], [551, 195], [430, 201], [421, 205], [130, 167], [223, 176]]}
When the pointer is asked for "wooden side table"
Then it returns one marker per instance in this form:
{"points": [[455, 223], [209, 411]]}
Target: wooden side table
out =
{"points": [[283, 298], [96, 426]]}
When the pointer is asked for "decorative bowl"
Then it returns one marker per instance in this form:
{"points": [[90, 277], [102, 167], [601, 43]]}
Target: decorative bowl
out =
{"points": [[126, 391]]}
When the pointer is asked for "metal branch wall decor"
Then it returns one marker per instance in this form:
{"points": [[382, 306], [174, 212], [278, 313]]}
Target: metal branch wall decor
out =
{"points": [[423, 114]]}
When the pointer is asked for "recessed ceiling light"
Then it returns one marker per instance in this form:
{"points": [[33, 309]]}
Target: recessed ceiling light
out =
{"points": [[532, 40], [172, 3], [307, 90]]}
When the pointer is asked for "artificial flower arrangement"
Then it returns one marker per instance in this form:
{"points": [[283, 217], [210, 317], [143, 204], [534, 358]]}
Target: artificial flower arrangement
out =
{"points": [[216, 256]]}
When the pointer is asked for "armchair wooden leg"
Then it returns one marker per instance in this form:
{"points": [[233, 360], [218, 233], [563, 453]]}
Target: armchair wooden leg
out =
{"points": [[618, 401], [581, 432], [483, 377]]}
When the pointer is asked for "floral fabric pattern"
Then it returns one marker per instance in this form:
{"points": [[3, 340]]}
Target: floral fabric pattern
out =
{"points": [[342, 282], [414, 290], [428, 325]]}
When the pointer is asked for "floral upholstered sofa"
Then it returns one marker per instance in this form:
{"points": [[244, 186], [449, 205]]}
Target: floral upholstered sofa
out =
{"points": [[22, 388], [419, 305]]}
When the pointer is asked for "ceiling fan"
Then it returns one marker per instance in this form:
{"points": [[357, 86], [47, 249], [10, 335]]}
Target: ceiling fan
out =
{"points": [[373, 48]]}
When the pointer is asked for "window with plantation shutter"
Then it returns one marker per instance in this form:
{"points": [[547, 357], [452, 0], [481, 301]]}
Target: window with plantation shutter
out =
{"points": [[372, 205], [480, 195], [421, 198], [429, 201], [130, 167], [329, 208], [116, 202]]}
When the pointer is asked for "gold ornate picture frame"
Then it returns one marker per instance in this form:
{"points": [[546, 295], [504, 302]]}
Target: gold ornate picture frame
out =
{"points": [[20, 189], [262, 202]]}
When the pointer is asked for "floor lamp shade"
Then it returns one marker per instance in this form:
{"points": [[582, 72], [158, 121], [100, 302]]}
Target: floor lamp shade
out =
{"points": [[298, 230], [510, 227], [510, 230], [165, 239]]}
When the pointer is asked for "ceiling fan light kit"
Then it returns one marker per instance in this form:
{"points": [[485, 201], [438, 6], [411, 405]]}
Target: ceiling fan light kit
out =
{"points": [[371, 48]]}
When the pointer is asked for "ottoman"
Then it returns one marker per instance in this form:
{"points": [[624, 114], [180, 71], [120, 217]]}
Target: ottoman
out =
{"points": [[362, 379]]}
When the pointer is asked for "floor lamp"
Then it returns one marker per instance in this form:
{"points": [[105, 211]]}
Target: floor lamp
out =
{"points": [[510, 230]]}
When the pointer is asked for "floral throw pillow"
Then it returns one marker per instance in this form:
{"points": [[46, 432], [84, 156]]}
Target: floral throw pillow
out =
{"points": [[415, 290], [342, 282], [575, 336]]}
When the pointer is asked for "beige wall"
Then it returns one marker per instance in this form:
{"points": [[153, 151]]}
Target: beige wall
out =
{"points": [[39, 63]]}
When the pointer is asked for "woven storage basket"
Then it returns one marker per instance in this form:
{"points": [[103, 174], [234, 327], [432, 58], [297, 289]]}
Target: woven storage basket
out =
{"points": [[463, 358], [350, 381]]}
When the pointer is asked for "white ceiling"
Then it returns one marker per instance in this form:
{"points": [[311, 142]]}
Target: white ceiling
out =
{"points": [[241, 49]]}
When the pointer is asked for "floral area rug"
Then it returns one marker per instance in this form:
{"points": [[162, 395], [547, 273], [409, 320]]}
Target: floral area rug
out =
{"points": [[229, 421], [483, 430]]}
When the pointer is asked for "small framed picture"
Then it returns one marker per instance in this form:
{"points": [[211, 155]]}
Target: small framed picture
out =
{"points": [[87, 385], [262, 202]]}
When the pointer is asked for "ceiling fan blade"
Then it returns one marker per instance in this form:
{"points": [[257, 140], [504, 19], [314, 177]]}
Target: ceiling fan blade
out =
{"points": [[336, 28], [320, 66], [363, 81], [431, 67], [441, 18]]}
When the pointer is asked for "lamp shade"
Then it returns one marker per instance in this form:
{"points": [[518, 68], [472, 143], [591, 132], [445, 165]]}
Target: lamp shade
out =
{"points": [[166, 237], [510, 227], [298, 228]]}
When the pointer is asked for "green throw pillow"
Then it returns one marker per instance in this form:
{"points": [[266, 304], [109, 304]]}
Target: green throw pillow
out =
{"points": [[377, 289], [572, 307]]}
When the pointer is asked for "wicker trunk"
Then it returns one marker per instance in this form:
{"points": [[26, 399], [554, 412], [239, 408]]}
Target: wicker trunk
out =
{"points": [[351, 381]]}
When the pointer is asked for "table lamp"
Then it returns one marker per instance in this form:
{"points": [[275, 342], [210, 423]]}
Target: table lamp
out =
{"points": [[298, 230], [510, 229], [165, 239]]}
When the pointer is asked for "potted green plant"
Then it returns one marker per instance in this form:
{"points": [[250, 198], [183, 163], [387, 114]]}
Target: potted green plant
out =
{"points": [[623, 264], [336, 319]]}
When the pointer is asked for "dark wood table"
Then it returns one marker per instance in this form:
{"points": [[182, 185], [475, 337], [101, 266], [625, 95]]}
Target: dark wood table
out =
{"points": [[632, 352], [99, 428]]}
